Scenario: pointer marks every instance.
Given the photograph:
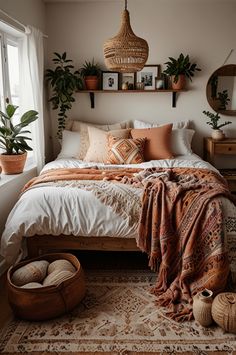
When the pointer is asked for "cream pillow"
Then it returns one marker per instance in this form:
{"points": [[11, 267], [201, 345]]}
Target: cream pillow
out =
{"points": [[70, 144], [98, 147], [178, 124], [82, 128], [181, 140]]}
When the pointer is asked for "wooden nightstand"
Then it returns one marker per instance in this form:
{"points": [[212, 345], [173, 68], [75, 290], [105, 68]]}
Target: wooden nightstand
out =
{"points": [[225, 147]]}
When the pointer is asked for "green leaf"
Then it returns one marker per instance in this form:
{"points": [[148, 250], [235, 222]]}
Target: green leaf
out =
{"points": [[28, 117], [11, 110]]}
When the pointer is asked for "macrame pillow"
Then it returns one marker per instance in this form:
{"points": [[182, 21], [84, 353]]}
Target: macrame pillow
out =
{"points": [[125, 150]]}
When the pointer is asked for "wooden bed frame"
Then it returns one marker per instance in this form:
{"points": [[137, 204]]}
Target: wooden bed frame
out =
{"points": [[40, 244]]}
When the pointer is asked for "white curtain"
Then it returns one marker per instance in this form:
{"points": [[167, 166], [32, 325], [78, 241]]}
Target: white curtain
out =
{"points": [[31, 91]]}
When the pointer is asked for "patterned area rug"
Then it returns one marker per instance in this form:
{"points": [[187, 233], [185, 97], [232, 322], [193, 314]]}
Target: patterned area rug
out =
{"points": [[117, 316]]}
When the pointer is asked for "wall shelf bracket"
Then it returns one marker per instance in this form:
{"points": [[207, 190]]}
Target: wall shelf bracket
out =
{"points": [[174, 98], [92, 99]]}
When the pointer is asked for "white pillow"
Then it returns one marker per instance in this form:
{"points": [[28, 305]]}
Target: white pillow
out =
{"points": [[142, 124], [181, 140], [70, 144]]}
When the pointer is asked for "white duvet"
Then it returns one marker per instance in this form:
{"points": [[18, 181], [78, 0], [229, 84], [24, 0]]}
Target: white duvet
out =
{"points": [[72, 211]]}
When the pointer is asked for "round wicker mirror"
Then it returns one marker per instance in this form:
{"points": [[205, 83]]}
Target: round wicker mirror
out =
{"points": [[221, 90]]}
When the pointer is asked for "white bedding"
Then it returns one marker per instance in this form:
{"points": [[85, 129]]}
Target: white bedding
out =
{"points": [[71, 211]]}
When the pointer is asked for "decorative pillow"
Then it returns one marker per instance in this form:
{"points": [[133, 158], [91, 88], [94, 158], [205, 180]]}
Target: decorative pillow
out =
{"points": [[82, 128], [181, 140], [158, 142], [142, 124], [70, 145], [125, 151], [98, 139]]}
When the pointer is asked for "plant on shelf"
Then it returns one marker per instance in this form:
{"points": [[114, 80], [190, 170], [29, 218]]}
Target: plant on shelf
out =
{"points": [[215, 125], [224, 99], [90, 72], [180, 68], [13, 139], [64, 83]]}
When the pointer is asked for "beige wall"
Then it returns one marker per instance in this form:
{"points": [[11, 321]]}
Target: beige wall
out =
{"points": [[29, 12], [204, 29]]}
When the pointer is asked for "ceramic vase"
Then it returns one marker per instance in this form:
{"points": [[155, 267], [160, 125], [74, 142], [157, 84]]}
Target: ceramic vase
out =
{"points": [[202, 303], [180, 84], [217, 134]]}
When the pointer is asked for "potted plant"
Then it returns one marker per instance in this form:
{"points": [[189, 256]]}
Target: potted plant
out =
{"points": [[217, 133], [13, 139], [179, 69], [90, 72], [64, 83]]}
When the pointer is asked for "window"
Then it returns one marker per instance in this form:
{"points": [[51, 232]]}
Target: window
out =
{"points": [[10, 74]]}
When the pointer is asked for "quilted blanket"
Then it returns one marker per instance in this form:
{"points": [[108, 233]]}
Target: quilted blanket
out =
{"points": [[181, 228]]}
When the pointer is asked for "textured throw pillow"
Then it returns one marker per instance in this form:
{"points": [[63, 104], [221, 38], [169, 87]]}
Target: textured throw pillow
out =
{"points": [[70, 144], [158, 141], [125, 151], [181, 140], [82, 128], [98, 140], [142, 124]]}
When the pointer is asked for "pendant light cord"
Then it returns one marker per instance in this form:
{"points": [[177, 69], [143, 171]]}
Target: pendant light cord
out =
{"points": [[125, 4]]}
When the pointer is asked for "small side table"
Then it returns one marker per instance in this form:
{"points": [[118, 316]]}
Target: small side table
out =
{"points": [[226, 146]]}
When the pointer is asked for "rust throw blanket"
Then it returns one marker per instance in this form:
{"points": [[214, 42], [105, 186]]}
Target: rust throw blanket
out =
{"points": [[181, 228]]}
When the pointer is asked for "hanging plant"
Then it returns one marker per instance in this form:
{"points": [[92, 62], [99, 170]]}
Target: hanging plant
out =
{"points": [[64, 83]]}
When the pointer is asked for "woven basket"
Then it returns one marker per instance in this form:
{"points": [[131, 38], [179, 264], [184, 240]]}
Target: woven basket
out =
{"points": [[125, 52], [224, 311], [49, 301]]}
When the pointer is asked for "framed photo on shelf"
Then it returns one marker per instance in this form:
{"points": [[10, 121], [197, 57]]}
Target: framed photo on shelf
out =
{"points": [[110, 80], [148, 75], [128, 79]]}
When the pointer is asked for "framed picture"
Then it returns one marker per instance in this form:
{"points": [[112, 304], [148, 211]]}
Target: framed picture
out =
{"points": [[128, 81], [148, 75], [110, 80]]}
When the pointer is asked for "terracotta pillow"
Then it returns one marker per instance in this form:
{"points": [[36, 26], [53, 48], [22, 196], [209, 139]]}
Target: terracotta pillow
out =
{"points": [[125, 151], [98, 140], [158, 141]]}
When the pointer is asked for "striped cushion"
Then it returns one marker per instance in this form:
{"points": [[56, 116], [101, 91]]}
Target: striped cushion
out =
{"points": [[125, 150]]}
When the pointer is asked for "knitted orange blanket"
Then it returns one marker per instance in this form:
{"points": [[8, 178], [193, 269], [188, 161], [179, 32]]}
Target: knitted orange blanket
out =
{"points": [[181, 228]]}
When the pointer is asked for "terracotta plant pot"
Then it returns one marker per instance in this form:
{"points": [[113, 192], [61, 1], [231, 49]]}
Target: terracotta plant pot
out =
{"points": [[181, 82], [91, 82], [12, 164]]}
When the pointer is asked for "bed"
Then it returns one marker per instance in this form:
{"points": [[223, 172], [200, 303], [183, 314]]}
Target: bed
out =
{"points": [[68, 214]]}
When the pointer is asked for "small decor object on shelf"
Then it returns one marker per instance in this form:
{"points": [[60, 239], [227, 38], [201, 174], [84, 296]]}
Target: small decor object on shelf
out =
{"points": [[110, 80], [13, 139], [64, 83], [217, 133], [159, 83], [224, 311], [148, 76], [179, 69], [125, 53], [202, 303], [129, 80], [90, 72]]}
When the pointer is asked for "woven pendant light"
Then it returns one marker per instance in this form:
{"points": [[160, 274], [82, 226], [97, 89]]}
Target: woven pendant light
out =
{"points": [[125, 53]]}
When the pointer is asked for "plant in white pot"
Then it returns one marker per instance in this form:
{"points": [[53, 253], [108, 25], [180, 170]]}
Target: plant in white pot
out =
{"points": [[217, 133], [13, 139]]}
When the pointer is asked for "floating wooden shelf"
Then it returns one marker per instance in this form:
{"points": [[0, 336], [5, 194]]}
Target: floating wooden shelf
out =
{"points": [[93, 92]]}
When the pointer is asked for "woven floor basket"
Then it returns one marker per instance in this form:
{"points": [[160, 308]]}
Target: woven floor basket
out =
{"points": [[49, 301], [224, 311]]}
